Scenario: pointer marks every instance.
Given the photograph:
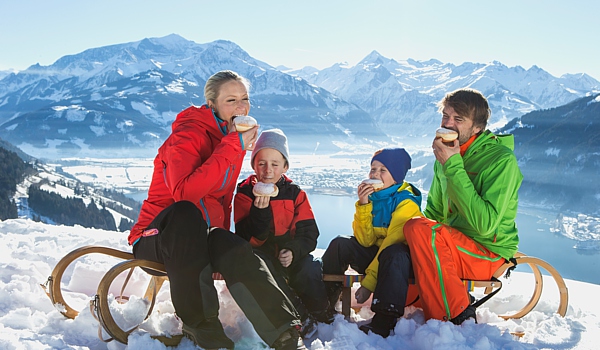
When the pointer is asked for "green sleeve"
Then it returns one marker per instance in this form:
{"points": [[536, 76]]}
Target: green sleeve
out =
{"points": [[435, 198]]}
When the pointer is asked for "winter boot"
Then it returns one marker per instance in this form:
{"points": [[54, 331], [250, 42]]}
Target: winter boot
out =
{"points": [[334, 290], [324, 316], [209, 334], [289, 340], [380, 324], [468, 313], [309, 327]]}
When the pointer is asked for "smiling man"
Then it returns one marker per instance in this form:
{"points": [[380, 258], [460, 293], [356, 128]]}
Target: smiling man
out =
{"points": [[469, 229]]}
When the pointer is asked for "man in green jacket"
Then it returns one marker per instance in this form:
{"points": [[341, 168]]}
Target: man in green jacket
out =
{"points": [[469, 229]]}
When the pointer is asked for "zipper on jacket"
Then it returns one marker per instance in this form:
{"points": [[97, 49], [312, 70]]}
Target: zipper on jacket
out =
{"points": [[228, 175], [205, 212]]}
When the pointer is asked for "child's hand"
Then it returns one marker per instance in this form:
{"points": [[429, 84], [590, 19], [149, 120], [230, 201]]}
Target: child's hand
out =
{"points": [[261, 202], [362, 294], [285, 257], [364, 191]]}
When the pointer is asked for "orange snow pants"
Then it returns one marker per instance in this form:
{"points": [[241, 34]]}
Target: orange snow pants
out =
{"points": [[442, 257]]}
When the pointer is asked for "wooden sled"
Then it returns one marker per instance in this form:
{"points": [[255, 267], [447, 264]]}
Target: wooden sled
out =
{"points": [[491, 286], [101, 309], [100, 304]]}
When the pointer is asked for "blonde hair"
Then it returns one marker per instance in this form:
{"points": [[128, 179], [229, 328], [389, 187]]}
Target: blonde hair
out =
{"points": [[214, 83]]}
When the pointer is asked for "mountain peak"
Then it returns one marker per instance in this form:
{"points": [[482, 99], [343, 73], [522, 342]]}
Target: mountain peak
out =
{"points": [[170, 41], [373, 57]]}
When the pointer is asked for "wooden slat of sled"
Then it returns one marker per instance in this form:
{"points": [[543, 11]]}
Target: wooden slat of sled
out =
{"points": [[534, 263], [110, 326], [103, 308], [53, 284], [100, 303]]}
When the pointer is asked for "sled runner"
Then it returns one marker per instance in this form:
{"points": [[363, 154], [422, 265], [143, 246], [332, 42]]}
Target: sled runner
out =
{"points": [[100, 305], [490, 288]]}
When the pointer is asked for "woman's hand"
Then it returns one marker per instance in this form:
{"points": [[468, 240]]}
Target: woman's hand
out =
{"points": [[249, 138], [261, 202], [285, 257], [364, 191], [362, 294]]}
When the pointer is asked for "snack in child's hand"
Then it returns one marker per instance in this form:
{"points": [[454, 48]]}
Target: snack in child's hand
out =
{"points": [[447, 135], [262, 189], [244, 122], [377, 184]]}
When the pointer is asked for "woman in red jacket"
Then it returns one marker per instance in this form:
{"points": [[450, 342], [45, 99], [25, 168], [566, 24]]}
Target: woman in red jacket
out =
{"points": [[184, 222]]}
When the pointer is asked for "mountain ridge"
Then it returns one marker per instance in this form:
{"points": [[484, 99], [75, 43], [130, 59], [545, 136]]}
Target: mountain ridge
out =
{"points": [[121, 99], [127, 101]]}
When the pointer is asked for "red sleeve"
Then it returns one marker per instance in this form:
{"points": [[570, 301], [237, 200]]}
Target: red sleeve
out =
{"points": [[193, 169], [304, 228]]}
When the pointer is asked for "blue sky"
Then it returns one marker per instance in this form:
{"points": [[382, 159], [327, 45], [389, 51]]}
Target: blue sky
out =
{"points": [[558, 36]]}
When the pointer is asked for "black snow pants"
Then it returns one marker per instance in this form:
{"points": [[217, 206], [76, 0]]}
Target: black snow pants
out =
{"points": [[395, 269], [191, 254], [302, 282]]}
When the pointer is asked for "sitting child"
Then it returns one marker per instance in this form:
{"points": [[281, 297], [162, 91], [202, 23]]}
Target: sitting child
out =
{"points": [[378, 247], [281, 228]]}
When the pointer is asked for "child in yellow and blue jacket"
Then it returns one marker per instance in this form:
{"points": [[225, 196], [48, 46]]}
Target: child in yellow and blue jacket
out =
{"points": [[378, 247]]}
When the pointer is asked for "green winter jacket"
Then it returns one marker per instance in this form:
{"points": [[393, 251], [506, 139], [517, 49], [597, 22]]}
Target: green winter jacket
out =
{"points": [[477, 193]]}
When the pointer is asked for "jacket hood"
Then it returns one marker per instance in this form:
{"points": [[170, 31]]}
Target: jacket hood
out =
{"points": [[507, 140]]}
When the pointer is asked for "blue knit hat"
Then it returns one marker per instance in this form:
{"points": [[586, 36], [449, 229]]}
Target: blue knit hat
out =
{"points": [[396, 160]]}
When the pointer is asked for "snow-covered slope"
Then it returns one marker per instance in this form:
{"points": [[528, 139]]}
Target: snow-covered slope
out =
{"points": [[28, 320]]}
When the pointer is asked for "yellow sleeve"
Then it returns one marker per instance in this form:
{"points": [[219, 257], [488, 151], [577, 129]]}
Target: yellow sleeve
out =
{"points": [[407, 209], [362, 226]]}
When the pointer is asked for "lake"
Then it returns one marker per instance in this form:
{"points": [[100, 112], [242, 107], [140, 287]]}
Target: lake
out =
{"points": [[334, 216]]}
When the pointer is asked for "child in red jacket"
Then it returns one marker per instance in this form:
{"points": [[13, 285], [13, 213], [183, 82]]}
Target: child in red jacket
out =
{"points": [[281, 227]]}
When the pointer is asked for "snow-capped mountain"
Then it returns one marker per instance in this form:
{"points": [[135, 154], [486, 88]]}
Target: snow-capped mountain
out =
{"points": [[4, 73], [124, 98], [401, 95], [559, 151], [120, 100]]}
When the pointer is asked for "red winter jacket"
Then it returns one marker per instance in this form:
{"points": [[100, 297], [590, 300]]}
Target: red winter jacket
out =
{"points": [[287, 223], [199, 162]]}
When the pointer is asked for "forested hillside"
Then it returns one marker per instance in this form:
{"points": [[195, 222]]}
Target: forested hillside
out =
{"points": [[32, 189], [12, 171]]}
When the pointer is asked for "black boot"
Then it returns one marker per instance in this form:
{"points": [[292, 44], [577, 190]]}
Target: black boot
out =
{"points": [[289, 340], [309, 326], [334, 290], [380, 324], [468, 313], [325, 316], [209, 334]]}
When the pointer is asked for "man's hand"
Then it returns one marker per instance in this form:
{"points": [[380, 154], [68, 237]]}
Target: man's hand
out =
{"points": [[362, 294], [285, 257], [262, 202], [442, 151]]}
